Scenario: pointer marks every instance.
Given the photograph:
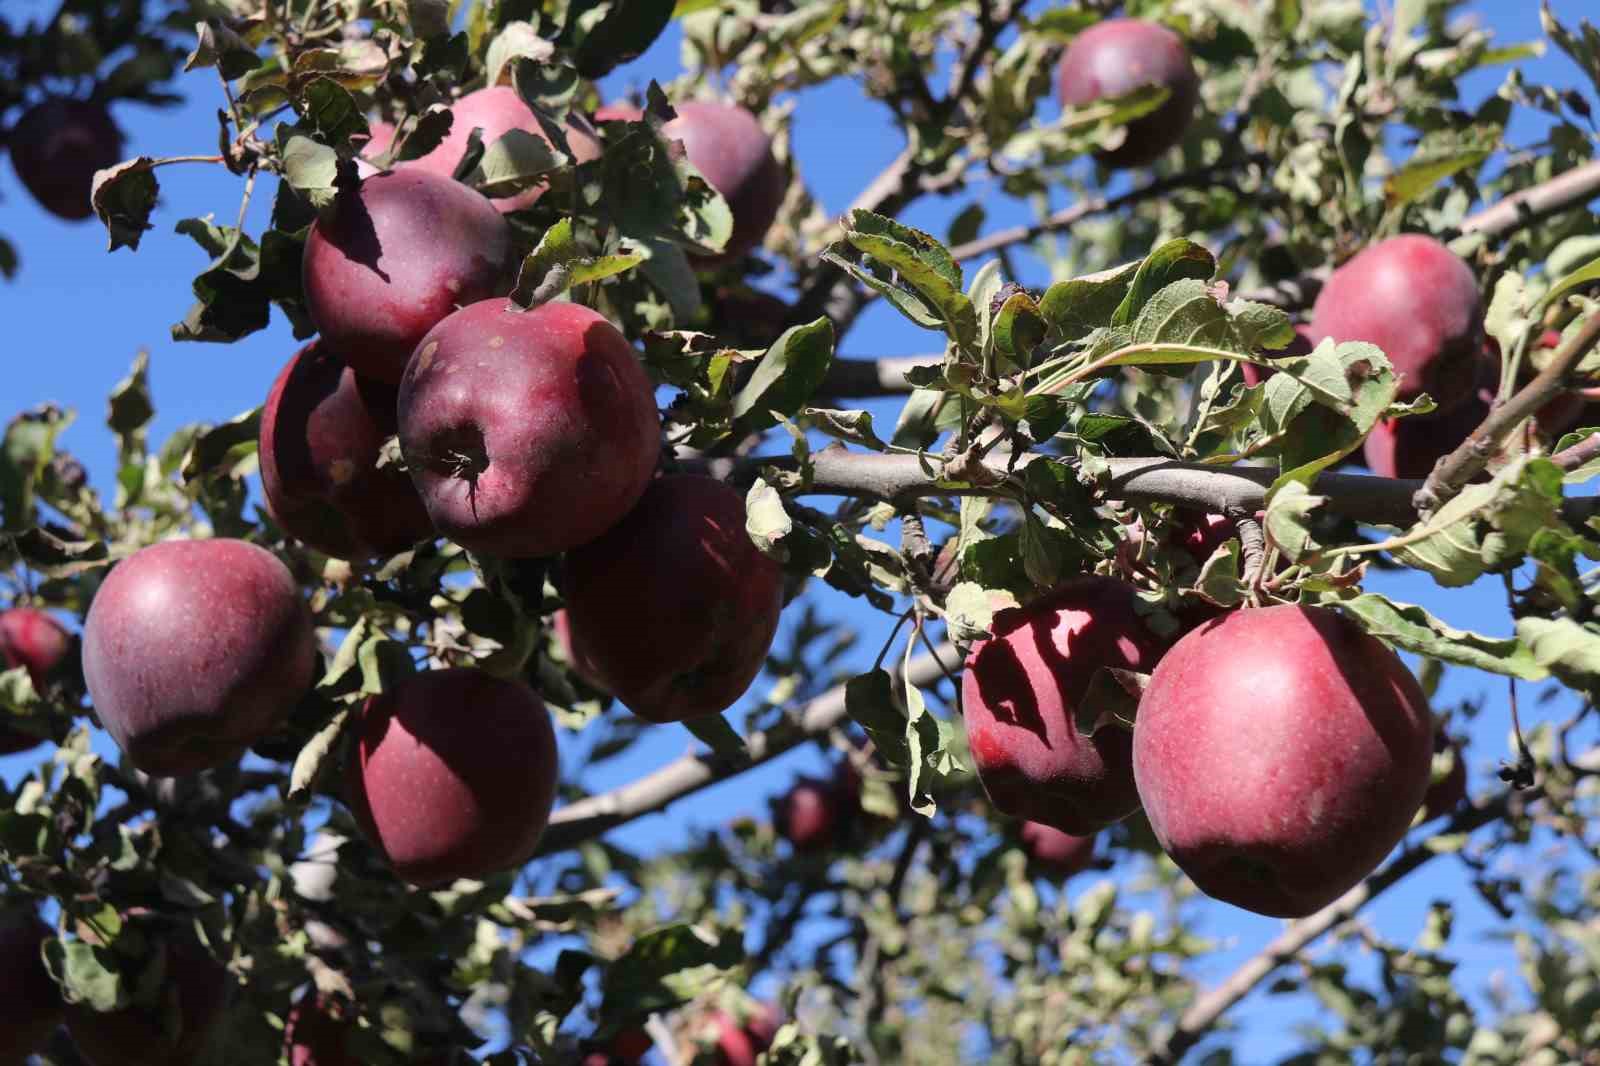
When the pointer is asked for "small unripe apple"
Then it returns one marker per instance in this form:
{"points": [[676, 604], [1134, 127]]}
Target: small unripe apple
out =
{"points": [[1020, 694], [1281, 752], [1117, 56], [322, 430], [173, 1031], [682, 560], [496, 110], [400, 251], [57, 146], [194, 650], [31, 999], [1448, 792], [443, 802], [1062, 854], [32, 639], [527, 432], [1415, 299]]}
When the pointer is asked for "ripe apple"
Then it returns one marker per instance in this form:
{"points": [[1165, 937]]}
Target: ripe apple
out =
{"points": [[29, 638], [624, 1049], [1117, 56], [1063, 854], [1020, 693], [1448, 792], [727, 145], [496, 110], [195, 649], [527, 432], [314, 1033], [321, 433], [1280, 753], [577, 655], [173, 1031], [56, 147], [1412, 297], [741, 1045], [401, 250], [683, 561], [32, 999], [443, 802], [810, 813], [1410, 447]]}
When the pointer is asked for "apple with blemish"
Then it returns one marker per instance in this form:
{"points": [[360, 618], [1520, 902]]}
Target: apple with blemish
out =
{"points": [[322, 432], [530, 432], [195, 649], [397, 253]]}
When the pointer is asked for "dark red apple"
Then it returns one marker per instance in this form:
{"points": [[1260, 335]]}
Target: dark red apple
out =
{"points": [[496, 111], [321, 433], [194, 650], [32, 1000], [314, 1033], [1412, 297], [527, 432], [1117, 56], [171, 1031], [624, 1049], [1201, 535], [400, 251], [57, 146], [809, 815], [741, 1045], [1280, 753], [1063, 854], [1410, 447], [682, 567], [32, 639], [1020, 693], [729, 148], [1448, 792], [442, 801], [577, 655]]}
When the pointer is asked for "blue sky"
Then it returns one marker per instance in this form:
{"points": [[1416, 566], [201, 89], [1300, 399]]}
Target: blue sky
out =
{"points": [[76, 316]]}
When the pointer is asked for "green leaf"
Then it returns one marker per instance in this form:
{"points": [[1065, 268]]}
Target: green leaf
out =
{"points": [[1439, 155], [558, 263], [766, 520], [667, 966], [314, 756], [26, 450], [129, 406], [921, 262], [1411, 628], [787, 375], [516, 40], [87, 974], [1110, 702], [517, 161], [649, 189], [853, 426], [217, 450], [123, 197], [329, 109], [1568, 650], [1076, 308], [1018, 329], [970, 609], [714, 732], [1185, 313], [310, 168], [419, 134], [869, 701], [56, 558], [625, 29], [1176, 260]]}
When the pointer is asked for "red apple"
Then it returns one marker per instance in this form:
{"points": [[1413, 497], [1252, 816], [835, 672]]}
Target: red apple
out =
{"points": [[314, 1033], [577, 655], [1412, 297], [527, 432], [624, 1049], [442, 801], [321, 432], [496, 110], [618, 111], [1410, 447], [727, 145], [1117, 56], [57, 146], [809, 815], [1020, 693], [1448, 792], [31, 997], [741, 1045], [1280, 753], [400, 251], [1063, 854], [195, 649], [29, 638], [682, 566], [172, 1031]]}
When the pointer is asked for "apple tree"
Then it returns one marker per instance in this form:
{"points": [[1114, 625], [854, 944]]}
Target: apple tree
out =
{"points": [[564, 452]]}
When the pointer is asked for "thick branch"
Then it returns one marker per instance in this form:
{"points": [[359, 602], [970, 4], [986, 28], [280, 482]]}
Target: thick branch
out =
{"points": [[1206, 1011], [589, 818], [873, 377], [1585, 451], [1568, 189], [1455, 470], [840, 472]]}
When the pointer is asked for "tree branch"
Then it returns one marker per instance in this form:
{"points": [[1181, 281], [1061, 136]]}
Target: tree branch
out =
{"points": [[1453, 472], [1586, 450], [589, 818], [1206, 1011], [1567, 189], [837, 471], [873, 377]]}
